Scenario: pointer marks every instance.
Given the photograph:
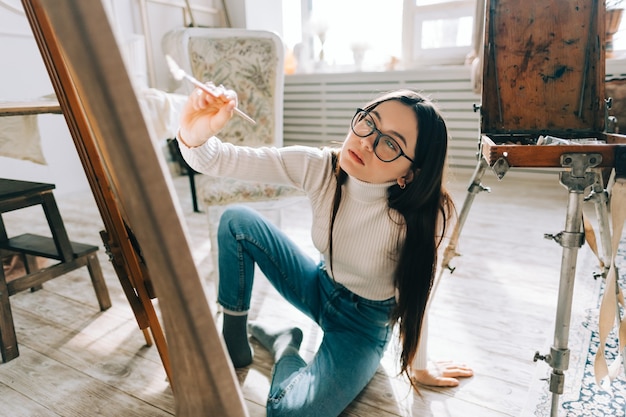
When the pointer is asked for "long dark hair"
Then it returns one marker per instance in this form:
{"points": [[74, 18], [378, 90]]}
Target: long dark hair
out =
{"points": [[426, 207]]}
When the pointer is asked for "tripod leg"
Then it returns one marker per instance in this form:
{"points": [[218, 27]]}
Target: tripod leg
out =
{"points": [[559, 351], [601, 204], [474, 188], [577, 179], [601, 201]]}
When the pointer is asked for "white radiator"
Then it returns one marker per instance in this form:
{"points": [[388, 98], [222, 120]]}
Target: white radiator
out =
{"points": [[319, 107]]}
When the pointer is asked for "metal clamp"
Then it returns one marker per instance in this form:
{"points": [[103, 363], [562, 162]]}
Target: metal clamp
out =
{"points": [[501, 167], [558, 359], [567, 239], [578, 178]]}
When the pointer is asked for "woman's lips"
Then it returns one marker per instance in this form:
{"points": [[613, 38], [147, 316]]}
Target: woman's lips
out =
{"points": [[356, 157]]}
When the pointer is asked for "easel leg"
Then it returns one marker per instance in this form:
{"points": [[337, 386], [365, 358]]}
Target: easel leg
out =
{"points": [[474, 188], [577, 179], [599, 195], [560, 352], [600, 198], [99, 285], [146, 336]]}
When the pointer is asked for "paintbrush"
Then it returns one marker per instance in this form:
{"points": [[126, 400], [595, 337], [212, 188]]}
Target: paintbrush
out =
{"points": [[178, 73]]}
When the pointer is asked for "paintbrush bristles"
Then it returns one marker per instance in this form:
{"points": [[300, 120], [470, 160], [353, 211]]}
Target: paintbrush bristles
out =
{"points": [[177, 72]]}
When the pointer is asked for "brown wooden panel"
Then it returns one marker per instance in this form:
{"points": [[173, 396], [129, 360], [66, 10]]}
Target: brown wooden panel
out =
{"points": [[542, 156], [544, 66]]}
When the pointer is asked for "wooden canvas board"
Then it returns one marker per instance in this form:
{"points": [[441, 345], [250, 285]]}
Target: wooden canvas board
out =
{"points": [[544, 67], [127, 174]]}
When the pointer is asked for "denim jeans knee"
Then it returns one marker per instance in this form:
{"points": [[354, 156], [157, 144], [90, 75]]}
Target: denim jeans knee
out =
{"points": [[246, 238], [236, 270]]}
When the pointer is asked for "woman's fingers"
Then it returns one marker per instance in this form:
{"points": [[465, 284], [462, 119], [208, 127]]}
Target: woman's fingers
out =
{"points": [[457, 371], [444, 374], [425, 377]]}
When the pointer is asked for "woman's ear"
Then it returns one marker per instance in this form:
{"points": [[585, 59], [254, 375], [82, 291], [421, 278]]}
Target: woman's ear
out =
{"points": [[403, 181], [406, 179]]}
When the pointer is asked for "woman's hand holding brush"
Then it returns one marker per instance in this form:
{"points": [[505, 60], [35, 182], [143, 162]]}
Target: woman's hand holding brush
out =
{"points": [[204, 115]]}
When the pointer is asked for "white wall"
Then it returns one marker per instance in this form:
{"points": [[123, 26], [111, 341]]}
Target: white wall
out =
{"points": [[256, 14], [23, 77], [265, 15]]}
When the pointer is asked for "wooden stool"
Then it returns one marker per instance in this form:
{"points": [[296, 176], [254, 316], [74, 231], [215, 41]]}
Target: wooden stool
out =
{"points": [[15, 195]]}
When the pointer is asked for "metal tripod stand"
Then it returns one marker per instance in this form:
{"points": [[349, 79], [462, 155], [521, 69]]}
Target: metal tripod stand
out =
{"points": [[578, 175]]}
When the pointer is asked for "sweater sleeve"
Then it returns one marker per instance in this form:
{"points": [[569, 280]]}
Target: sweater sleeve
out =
{"points": [[299, 166]]}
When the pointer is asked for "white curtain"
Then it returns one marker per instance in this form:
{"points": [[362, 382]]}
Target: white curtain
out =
{"points": [[475, 57]]}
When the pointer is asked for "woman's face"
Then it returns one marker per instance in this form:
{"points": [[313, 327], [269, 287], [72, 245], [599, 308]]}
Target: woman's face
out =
{"points": [[357, 158]]}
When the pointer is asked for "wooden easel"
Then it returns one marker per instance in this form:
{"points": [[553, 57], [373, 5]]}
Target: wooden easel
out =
{"points": [[144, 235], [116, 237]]}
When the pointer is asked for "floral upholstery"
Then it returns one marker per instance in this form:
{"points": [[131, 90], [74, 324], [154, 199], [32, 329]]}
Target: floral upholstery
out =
{"points": [[222, 191], [248, 66]]}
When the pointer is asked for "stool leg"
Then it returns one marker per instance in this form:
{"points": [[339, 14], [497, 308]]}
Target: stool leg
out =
{"points": [[57, 228], [8, 340], [95, 272], [194, 194], [30, 262]]}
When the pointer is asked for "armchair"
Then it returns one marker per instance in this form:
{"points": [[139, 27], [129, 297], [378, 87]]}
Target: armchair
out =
{"points": [[250, 62]]}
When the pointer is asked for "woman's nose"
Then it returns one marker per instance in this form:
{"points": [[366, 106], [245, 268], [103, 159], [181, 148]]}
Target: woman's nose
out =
{"points": [[368, 141]]}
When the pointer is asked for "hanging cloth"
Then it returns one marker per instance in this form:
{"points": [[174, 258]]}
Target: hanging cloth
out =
{"points": [[609, 308]]}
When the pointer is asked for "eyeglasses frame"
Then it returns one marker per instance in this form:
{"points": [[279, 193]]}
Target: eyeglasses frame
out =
{"points": [[379, 134]]}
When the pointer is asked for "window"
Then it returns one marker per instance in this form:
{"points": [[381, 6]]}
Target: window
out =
{"points": [[617, 48], [344, 35], [437, 31]]}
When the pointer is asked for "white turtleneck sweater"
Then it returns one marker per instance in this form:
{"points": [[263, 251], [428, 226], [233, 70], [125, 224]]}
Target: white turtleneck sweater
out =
{"points": [[366, 233]]}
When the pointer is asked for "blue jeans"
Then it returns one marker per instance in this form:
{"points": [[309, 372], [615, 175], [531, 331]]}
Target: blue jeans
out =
{"points": [[356, 330]]}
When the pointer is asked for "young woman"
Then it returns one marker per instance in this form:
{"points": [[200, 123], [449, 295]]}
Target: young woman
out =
{"points": [[380, 210]]}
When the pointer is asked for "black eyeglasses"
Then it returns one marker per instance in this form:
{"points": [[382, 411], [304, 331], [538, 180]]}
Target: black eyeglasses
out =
{"points": [[363, 125]]}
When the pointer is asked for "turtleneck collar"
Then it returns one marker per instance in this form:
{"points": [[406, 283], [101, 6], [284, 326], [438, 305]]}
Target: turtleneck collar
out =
{"points": [[365, 191]]}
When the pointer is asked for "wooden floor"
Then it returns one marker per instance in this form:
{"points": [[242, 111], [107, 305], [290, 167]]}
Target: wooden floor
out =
{"points": [[492, 313]]}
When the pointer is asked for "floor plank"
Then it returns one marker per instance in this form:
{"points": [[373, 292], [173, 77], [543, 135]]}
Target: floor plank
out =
{"points": [[20, 405], [55, 385]]}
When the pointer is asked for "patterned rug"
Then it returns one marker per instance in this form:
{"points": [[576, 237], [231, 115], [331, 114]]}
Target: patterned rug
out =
{"points": [[582, 397]]}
